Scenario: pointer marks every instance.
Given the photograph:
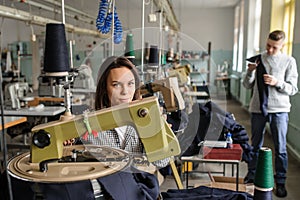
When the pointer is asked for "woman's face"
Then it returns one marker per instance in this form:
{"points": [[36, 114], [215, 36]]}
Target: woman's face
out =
{"points": [[120, 86]]}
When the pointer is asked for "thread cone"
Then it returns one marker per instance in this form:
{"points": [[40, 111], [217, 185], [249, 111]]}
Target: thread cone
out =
{"points": [[264, 170]]}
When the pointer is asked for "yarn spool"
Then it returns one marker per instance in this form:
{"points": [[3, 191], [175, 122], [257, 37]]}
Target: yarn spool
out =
{"points": [[264, 180], [8, 62], [129, 49], [56, 59], [147, 52], [163, 59], [170, 55], [153, 56]]}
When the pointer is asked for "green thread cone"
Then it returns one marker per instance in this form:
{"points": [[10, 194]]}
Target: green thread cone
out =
{"points": [[264, 170], [163, 59], [129, 50]]}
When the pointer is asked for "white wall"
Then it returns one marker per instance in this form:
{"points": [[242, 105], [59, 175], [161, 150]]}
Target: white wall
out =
{"points": [[13, 31], [204, 25]]}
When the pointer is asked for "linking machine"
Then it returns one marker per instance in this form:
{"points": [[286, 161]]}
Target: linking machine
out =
{"points": [[170, 90], [50, 161]]}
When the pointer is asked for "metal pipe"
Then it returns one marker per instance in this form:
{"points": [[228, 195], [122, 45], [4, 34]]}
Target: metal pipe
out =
{"points": [[143, 38], [50, 9], [63, 11], [88, 19], [20, 15], [56, 3], [71, 54], [160, 38], [170, 15], [113, 27]]}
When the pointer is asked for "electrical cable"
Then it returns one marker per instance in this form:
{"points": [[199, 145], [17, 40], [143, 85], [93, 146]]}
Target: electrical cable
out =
{"points": [[104, 20], [5, 155]]}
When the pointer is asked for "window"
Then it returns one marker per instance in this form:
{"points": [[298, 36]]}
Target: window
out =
{"points": [[238, 37], [288, 24], [235, 37], [256, 31], [241, 40]]}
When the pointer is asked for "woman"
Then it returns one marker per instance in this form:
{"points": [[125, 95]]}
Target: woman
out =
{"points": [[118, 83]]}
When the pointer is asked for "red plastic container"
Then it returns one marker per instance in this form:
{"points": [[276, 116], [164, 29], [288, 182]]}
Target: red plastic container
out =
{"points": [[234, 153]]}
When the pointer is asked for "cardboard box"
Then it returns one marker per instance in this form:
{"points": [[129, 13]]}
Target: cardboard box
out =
{"points": [[234, 153]]}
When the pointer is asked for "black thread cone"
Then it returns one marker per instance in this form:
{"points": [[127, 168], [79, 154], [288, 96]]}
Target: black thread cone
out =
{"points": [[56, 59], [153, 57]]}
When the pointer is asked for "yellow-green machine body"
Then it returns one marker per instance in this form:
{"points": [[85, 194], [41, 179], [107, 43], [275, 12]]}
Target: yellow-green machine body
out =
{"points": [[158, 139]]}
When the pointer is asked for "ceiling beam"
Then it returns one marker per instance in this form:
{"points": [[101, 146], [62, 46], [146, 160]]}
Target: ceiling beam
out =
{"points": [[166, 7], [16, 14]]}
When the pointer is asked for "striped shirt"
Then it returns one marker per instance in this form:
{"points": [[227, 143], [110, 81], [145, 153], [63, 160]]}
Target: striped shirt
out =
{"points": [[129, 142]]}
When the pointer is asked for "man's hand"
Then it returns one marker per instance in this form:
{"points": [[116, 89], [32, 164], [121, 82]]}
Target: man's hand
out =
{"points": [[270, 80], [252, 66]]}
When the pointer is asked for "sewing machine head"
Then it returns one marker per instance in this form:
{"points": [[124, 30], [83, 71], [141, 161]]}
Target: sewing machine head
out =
{"points": [[158, 139], [84, 79], [181, 72], [51, 86], [170, 90], [16, 93]]}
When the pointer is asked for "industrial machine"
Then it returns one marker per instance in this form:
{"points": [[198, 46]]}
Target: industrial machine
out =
{"points": [[170, 90], [16, 95], [84, 79], [182, 72], [50, 161], [51, 86]]}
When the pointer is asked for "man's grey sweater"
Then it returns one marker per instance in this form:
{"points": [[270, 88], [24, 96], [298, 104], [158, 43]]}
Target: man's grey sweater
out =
{"points": [[284, 68]]}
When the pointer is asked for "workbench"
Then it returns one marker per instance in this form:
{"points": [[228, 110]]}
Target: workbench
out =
{"points": [[46, 111], [222, 156], [31, 114], [10, 121]]}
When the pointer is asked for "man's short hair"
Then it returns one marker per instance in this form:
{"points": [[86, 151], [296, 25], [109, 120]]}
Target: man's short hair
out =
{"points": [[277, 35]]}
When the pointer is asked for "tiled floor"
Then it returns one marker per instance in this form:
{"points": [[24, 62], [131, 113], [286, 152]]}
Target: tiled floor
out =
{"points": [[242, 117]]}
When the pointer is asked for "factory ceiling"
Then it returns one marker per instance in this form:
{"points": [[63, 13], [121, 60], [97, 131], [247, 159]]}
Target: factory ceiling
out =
{"points": [[81, 14]]}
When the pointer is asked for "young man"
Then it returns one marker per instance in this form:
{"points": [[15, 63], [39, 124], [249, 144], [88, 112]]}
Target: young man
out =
{"points": [[273, 77]]}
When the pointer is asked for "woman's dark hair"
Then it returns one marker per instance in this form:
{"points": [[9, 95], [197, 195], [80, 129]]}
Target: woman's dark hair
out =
{"points": [[101, 98]]}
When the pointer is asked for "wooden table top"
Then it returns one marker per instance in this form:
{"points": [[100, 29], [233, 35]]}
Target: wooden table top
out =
{"points": [[10, 121], [196, 93]]}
